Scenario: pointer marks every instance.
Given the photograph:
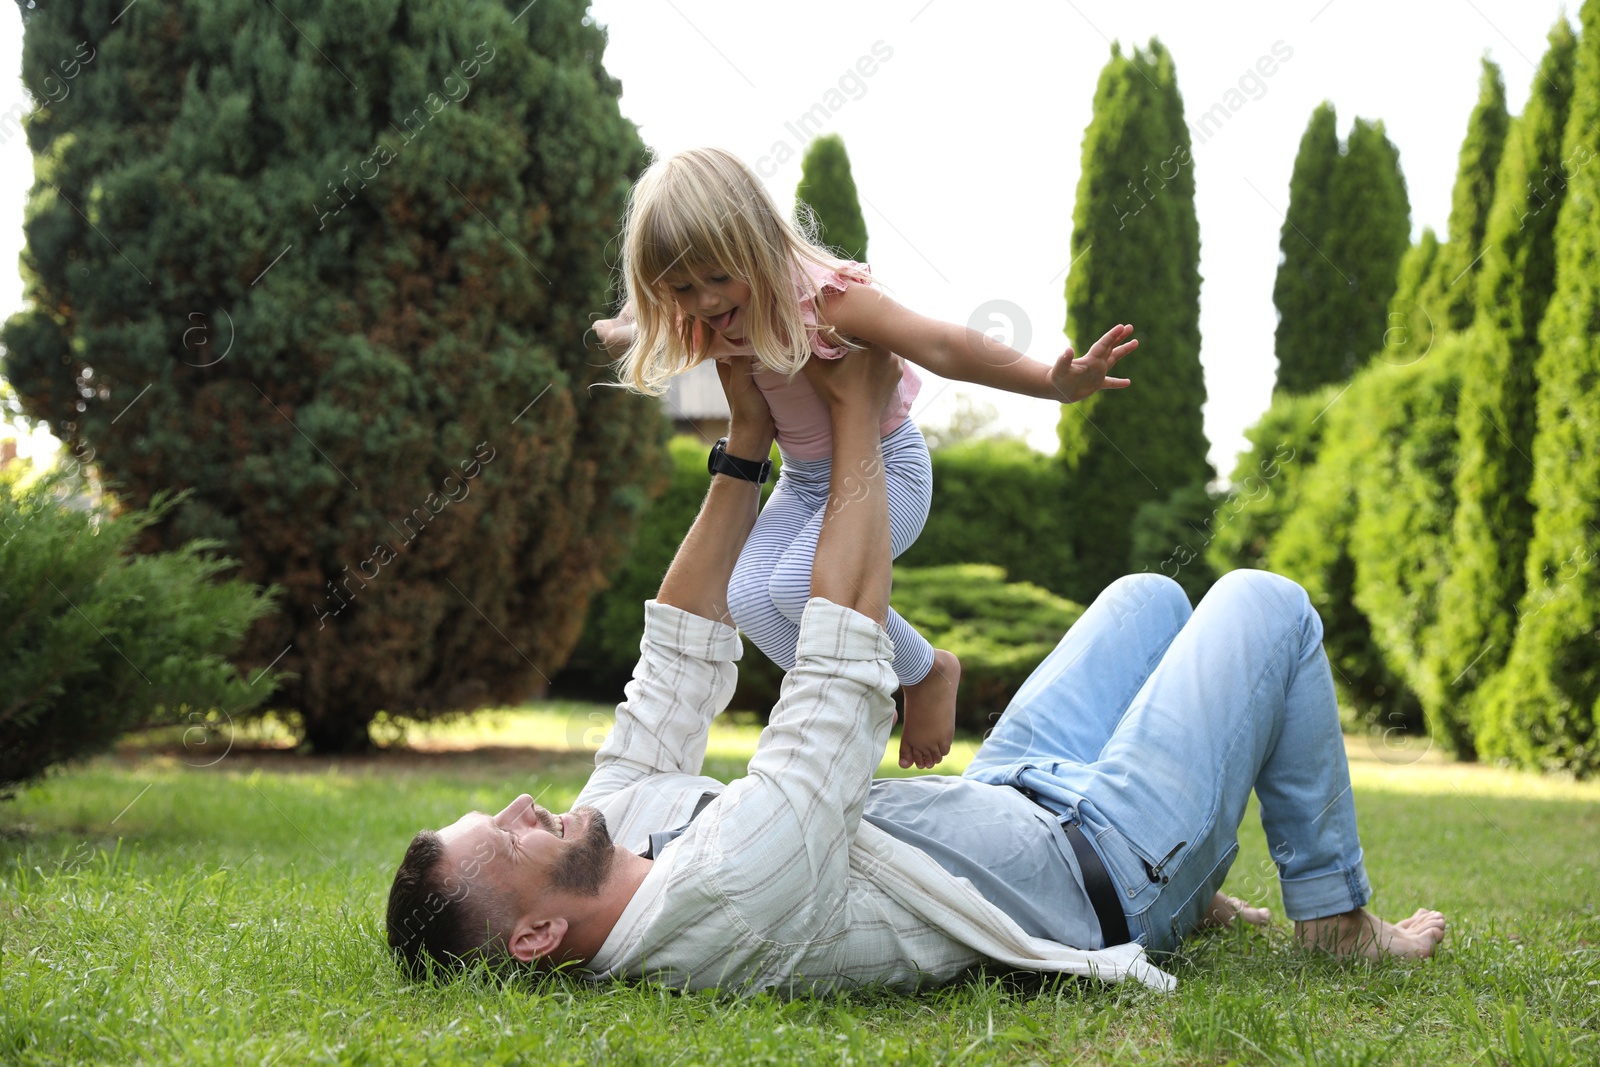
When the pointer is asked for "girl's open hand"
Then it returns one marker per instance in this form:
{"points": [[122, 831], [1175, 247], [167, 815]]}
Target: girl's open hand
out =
{"points": [[1085, 375]]}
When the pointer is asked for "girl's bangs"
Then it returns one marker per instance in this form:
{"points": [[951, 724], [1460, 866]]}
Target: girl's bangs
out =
{"points": [[673, 242]]}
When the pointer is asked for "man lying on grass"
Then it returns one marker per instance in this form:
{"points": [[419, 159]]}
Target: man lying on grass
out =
{"points": [[1096, 823]]}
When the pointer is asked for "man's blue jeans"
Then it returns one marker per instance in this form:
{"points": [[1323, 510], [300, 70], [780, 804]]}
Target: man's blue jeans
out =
{"points": [[1150, 723]]}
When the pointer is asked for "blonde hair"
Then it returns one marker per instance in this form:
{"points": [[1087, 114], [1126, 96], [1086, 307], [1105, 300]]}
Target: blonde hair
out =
{"points": [[697, 213]]}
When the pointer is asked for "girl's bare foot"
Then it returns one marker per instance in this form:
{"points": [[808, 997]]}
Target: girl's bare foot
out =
{"points": [[1360, 933], [1224, 910], [930, 726]]}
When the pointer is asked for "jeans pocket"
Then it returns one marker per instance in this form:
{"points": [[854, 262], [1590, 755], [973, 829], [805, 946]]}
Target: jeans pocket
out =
{"points": [[1130, 870]]}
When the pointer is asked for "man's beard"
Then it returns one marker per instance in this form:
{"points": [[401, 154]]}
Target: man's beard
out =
{"points": [[583, 868]]}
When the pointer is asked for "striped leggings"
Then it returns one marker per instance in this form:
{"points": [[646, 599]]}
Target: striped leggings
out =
{"points": [[771, 583]]}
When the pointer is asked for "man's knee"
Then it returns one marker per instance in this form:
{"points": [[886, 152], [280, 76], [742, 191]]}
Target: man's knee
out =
{"points": [[1283, 597], [1133, 594], [1248, 582]]}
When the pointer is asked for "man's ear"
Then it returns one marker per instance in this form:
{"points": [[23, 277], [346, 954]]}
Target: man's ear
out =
{"points": [[531, 940]]}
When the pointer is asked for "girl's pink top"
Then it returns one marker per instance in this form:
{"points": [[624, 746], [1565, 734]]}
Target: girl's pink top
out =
{"points": [[804, 429]]}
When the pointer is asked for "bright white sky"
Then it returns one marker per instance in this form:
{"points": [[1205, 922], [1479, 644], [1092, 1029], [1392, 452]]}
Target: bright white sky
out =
{"points": [[965, 141]]}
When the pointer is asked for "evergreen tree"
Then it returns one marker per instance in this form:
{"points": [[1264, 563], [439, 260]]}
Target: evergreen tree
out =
{"points": [[1407, 493], [1450, 291], [1343, 236], [1409, 330], [331, 266], [1404, 502], [1484, 577], [1265, 483], [1543, 709], [1369, 236], [827, 188], [1313, 546], [1136, 257], [1307, 333]]}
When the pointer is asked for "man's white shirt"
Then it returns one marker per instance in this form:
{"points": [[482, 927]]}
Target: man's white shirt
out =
{"points": [[778, 884]]}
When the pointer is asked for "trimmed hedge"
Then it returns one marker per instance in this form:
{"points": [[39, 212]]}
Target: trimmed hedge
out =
{"points": [[1000, 502], [991, 499], [999, 630], [1495, 420], [1171, 536]]}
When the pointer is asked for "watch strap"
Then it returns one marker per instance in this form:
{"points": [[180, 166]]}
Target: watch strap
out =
{"points": [[749, 470]]}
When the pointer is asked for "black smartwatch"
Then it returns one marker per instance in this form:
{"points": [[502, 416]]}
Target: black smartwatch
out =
{"points": [[748, 469]]}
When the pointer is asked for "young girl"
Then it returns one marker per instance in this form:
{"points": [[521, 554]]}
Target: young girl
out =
{"points": [[714, 271]]}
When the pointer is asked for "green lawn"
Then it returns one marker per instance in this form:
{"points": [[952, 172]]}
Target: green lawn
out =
{"points": [[156, 910]]}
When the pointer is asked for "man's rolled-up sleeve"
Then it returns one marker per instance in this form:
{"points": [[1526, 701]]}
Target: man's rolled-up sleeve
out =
{"points": [[777, 847], [684, 678]]}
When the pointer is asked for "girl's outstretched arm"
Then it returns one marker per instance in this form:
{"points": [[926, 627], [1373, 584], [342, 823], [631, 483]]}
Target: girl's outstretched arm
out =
{"points": [[964, 354]]}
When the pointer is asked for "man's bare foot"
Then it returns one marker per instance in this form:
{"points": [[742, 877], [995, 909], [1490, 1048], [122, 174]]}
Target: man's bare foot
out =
{"points": [[1360, 933], [1224, 910], [930, 726]]}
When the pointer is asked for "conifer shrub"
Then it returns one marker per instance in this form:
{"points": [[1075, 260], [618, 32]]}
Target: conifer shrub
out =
{"points": [[97, 640], [331, 267]]}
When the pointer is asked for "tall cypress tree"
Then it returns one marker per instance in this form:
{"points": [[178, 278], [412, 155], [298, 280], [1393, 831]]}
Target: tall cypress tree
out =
{"points": [[1450, 291], [1136, 258], [1345, 231], [1484, 577], [827, 188], [1306, 338], [1409, 331], [332, 268], [1406, 497], [1370, 234], [1313, 545], [1543, 709], [1404, 507]]}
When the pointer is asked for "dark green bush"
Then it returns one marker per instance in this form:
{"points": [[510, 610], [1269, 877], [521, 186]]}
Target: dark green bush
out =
{"points": [[999, 502], [1266, 479], [1000, 630], [95, 641], [369, 237], [1170, 536]]}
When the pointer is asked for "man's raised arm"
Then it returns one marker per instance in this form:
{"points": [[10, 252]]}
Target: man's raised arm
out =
{"points": [[854, 559], [697, 581], [774, 850], [685, 674]]}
